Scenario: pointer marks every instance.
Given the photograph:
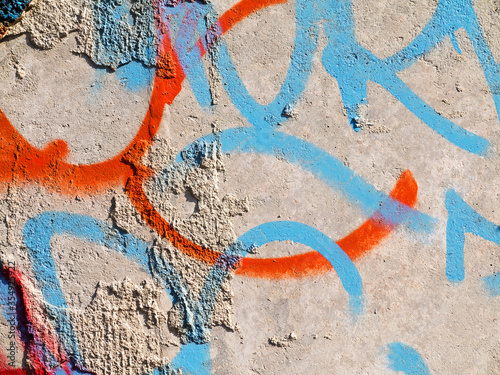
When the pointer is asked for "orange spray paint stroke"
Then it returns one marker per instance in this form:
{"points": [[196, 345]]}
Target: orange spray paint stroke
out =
{"points": [[356, 244], [20, 162]]}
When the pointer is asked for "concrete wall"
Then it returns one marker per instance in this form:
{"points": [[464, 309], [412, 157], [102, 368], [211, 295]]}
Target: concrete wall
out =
{"points": [[253, 187]]}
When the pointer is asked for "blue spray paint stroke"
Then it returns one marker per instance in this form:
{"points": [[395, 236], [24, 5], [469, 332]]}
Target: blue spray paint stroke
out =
{"points": [[406, 359], [37, 235], [299, 70], [38, 232], [492, 284], [316, 161], [194, 359], [185, 23], [193, 15], [450, 16], [4, 297], [353, 66], [462, 219], [306, 235], [343, 58], [188, 53], [194, 356]]}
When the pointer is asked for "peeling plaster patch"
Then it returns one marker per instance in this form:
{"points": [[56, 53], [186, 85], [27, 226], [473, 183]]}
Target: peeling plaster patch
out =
{"points": [[194, 274], [49, 21], [209, 225], [116, 32], [12, 212], [282, 342], [159, 154], [111, 33], [373, 127], [123, 331]]}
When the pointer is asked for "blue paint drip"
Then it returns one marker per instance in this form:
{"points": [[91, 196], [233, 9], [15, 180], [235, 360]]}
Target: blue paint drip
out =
{"points": [[306, 235], [312, 159], [463, 219], [406, 359], [11, 10]]}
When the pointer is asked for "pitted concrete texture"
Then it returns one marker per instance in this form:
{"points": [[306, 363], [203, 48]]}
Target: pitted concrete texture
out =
{"points": [[254, 187]]}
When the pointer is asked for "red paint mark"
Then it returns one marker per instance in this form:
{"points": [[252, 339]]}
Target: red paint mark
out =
{"points": [[33, 333]]}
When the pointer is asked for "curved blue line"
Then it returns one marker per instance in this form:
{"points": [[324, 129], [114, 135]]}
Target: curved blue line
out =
{"points": [[353, 66], [299, 70], [38, 233], [309, 236]]}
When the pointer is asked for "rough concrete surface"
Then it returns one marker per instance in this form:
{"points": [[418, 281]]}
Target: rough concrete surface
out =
{"points": [[253, 187]]}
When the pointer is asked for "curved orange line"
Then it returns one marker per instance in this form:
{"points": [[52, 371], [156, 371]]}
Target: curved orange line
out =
{"points": [[356, 244], [20, 162]]}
